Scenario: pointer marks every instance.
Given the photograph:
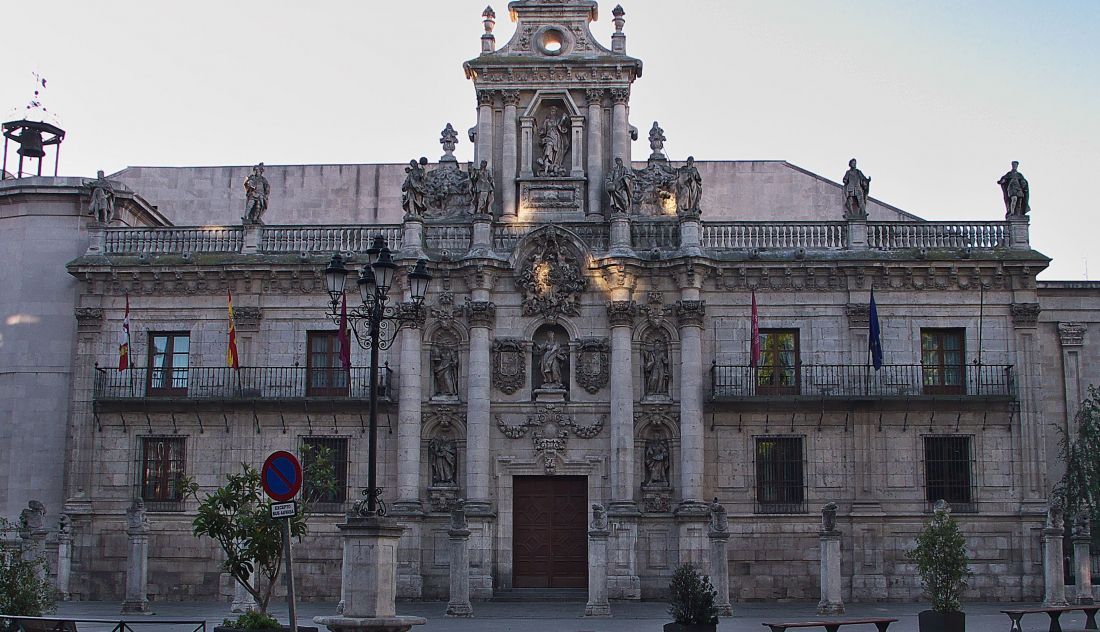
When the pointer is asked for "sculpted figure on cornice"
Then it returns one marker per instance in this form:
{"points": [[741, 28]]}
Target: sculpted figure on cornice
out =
{"points": [[856, 188], [256, 190], [1016, 193], [483, 188], [550, 280], [620, 187], [102, 192], [414, 191], [689, 189]]}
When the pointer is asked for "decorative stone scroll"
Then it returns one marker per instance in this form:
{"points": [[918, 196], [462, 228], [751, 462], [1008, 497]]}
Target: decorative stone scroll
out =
{"points": [[1072, 334], [509, 364], [593, 363], [1025, 314], [551, 433], [550, 280]]}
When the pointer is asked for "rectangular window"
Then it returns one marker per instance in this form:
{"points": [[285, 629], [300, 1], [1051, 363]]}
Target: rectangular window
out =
{"points": [[780, 481], [778, 369], [325, 373], [942, 353], [161, 469], [168, 362], [336, 449], [947, 471]]}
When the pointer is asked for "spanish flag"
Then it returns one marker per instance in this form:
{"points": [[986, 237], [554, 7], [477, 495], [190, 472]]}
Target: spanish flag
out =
{"points": [[231, 355], [124, 339]]}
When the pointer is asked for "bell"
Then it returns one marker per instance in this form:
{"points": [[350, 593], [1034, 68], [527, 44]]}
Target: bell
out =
{"points": [[30, 143]]}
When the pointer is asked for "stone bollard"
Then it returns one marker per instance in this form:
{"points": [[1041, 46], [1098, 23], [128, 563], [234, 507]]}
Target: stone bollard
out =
{"points": [[64, 556], [458, 604], [369, 573], [832, 602], [32, 523], [719, 535], [598, 531], [1082, 537], [137, 559], [1054, 582]]}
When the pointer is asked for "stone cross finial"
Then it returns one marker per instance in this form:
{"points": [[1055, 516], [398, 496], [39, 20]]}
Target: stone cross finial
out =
{"points": [[490, 19]]}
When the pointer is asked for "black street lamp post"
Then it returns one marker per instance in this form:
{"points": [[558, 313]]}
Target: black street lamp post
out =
{"points": [[375, 324]]}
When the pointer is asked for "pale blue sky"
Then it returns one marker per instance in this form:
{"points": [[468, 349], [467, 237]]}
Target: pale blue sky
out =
{"points": [[934, 98]]}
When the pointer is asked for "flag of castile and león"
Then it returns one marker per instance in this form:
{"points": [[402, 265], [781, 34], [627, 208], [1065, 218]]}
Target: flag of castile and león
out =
{"points": [[231, 353], [124, 339]]}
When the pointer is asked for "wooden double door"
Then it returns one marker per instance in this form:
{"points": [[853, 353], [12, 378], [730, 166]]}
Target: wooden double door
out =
{"points": [[550, 536]]}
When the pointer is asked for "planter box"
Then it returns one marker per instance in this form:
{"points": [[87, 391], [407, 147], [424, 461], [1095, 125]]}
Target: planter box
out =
{"points": [[932, 621], [691, 627]]}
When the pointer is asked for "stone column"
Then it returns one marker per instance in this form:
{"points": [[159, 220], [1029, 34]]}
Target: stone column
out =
{"points": [[369, 573], [97, 238], [408, 415], [481, 236], [620, 235], [690, 311], [1082, 558], [691, 235], [598, 605], [480, 314], [719, 534], [459, 533], [1054, 579], [508, 154], [620, 125], [64, 556], [620, 316], [595, 151], [832, 599], [137, 559], [484, 147]]}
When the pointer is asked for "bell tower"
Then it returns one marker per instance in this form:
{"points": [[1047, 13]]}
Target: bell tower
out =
{"points": [[553, 110]]}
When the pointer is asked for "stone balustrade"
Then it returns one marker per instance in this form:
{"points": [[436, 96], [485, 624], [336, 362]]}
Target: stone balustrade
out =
{"points": [[454, 238], [596, 236], [326, 239], [778, 235], [138, 241], [932, 235]]}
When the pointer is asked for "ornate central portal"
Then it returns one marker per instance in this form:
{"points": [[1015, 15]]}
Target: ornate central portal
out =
{"points": [[551, 532]]}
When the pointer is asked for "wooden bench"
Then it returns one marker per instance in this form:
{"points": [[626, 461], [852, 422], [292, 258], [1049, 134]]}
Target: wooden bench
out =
{"points": [[832, 626], [1054, 613]]}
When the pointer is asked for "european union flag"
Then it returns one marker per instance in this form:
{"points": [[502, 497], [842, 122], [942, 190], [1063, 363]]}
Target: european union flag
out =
{"points": [[874, 338]]}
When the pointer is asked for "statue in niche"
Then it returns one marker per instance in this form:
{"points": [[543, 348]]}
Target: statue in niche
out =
{"points": [[256, 190], [102, 206], [482, 187], [444, 453], [657, 142], [554, 140], [414, 191], [828, 517], [1015, 191], [552, 357], [655, 367], [657, 459], [620, 187], [444, 370], [856, 188], [719, 521], [689, 188]]}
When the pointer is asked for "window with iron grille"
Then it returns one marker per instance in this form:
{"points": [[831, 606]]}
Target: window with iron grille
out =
{"points": [[942, 353], [780, 475], [947, 471], [326, 375], [337, 450], [162, 467], [168, 362]]}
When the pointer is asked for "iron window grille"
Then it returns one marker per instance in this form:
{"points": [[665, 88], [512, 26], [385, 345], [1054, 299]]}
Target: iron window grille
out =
{"points": [[780, 475], [162, 467], [948, 472], [327, 501]]}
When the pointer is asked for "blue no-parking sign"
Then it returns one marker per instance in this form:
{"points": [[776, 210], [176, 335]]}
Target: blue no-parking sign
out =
{"points": [[281, 476]]}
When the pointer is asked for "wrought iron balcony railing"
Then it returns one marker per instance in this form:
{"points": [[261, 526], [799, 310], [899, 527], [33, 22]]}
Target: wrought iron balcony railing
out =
{"points": [[246, 383], [854, 381]]}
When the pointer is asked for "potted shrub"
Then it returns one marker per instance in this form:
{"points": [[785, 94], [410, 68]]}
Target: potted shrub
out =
{"points": [[940, 556], [252, 621], [691, 601]]}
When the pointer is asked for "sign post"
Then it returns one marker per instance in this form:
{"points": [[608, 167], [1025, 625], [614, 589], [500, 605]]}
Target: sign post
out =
{"points": [[281, 477]]}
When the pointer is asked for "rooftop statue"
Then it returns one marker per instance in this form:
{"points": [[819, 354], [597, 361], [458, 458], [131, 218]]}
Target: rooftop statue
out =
{"points": [[1015, 191], [856, 189], [689, 188], [414, 190], [620, 187], [102, 206], [256, 190], [483, 188]]}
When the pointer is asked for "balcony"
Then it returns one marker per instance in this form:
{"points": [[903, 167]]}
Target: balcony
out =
{"points": [[295, 386], [852, 382]]}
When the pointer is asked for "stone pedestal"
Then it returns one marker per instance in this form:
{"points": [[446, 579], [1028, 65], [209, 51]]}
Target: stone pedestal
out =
{"points": [[97, 238], [458, 604], [1083, 561], [620, 235], [550, 395], [597, 605], [1018, 227], [412, 242], [137, 566], [65, 558], [832, 601], [369, 575], [243, 601], [720, 570], [857, 234], [251, 238], [1054, 583], [481, 236], [691, 234]]}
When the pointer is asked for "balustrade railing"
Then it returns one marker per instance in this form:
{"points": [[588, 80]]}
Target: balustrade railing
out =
{"points": [[454, 238], [655, 235], [860, 381], [787, 235], [246, 383], [899, 235], [176, 240], [595, 236], [327, 239]]}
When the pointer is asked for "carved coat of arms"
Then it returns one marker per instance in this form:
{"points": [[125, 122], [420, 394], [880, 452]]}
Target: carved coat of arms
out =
{"points": [[593, 363], [509, 364], [550, 280]]}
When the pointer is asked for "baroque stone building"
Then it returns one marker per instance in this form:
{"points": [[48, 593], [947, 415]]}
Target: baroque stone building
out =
{"points": [[587, 338]]}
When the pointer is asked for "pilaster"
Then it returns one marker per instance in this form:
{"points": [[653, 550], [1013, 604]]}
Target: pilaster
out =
{"points": [[480, 315], [690, 313], [484, 146], [1071, 336], [620, 125], [595, 150], [508, 154]]}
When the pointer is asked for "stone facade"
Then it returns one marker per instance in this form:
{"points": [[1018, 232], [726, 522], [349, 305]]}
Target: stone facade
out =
{"points": [[651, 398]]}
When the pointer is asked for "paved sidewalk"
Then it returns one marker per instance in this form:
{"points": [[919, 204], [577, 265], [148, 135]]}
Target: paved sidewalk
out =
{"points": [[566, 616]]}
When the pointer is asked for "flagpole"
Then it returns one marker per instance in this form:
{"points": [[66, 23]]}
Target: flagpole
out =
{"points": [[981, 323], [867, 368]]}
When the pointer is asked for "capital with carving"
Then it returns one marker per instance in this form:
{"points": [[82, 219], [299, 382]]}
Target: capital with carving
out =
{"points": [[859, 315], [594, 96], [1072, 334], [690, 313], [511, 97], [89, 318], [481, 313], [621, 313], [414, 315], [620, 95], [485, 97], [1025, 314]]}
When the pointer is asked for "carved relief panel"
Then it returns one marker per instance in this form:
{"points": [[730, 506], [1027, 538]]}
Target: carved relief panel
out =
{"points": [[593, 363], [509, 364]]}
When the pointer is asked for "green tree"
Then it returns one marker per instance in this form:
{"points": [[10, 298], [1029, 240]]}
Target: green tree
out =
{"points": [[24, 591], [237, 517], [941, 559], [1079, 488], [691, 597]]}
